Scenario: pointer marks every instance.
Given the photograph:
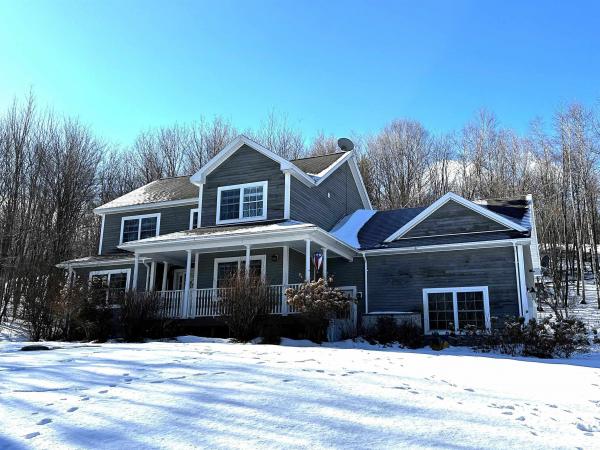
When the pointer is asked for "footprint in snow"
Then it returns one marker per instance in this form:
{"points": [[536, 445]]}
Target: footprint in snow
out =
{"points": [[286, 381], [507, 413], [551, 406], [44, 421], [73, 409], [521, 418], [440, 397], [103, 392], [49, 404], [157, 381], [31, 435], [414, 392], [85, 399], [469, 389]]}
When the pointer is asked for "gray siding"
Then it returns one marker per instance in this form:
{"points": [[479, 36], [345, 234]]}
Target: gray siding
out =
{"points": [[346, 273], [206, 265], [314, 205], [454, 218], [244, 166], [396, 282], [171, 220], [454, 239]]}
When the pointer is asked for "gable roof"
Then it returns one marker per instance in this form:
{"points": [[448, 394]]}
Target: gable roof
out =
{"points": [[450, 196], [373, 232], [163, 192]]}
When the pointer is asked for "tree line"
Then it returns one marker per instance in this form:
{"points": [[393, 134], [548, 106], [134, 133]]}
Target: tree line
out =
{"points": [[54, 170]]}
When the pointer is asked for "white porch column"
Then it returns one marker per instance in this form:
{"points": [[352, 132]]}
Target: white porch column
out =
{"points": [[70, 276], [523, 283], [285, 279], [307, 261], [136, 263], [247, 262], [195, 284], [324, 250], [152, 275], [164, 278], [186, 292], [286, 196]]}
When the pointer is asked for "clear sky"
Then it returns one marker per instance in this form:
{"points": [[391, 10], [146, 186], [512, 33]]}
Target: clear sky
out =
{"points": [[336, 66]]}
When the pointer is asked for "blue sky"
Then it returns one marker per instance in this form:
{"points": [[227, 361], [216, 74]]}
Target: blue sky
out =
{"points": [[340, 67]]}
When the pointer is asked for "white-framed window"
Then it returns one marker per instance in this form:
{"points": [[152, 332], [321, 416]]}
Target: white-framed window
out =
{"points": [[134, 228], [242, 202], [194, 218], [225, 267], [453, 309], [113, 282]]}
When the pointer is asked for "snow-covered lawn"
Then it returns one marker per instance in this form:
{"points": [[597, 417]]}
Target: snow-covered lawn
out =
{"points": [[214, 394]]}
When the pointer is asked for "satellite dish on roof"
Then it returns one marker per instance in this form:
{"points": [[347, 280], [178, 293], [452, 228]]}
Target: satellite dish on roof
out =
{"points": [[345, 144]]}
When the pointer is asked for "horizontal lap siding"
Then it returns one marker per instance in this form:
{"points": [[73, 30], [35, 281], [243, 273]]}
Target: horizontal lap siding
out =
{"points": [[453, 218], [244, 166], [396, 282], [313, 205], [206, 265], [346, 273], [455, 239], [171, 220]]}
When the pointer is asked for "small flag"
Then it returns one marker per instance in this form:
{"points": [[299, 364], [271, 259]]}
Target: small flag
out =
{"points": [[317, 260]]}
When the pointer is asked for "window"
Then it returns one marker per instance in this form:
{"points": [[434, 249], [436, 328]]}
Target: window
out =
{"points": [[113, 282], [242, 202], [225, 267], [193, 219], [134, 228], [453, 309]]}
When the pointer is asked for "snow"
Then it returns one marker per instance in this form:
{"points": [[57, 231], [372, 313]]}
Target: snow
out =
{"points": [[346, 230], [210, 393]]}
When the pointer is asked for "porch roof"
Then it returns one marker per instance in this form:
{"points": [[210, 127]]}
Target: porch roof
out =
{"points": [[270, 232], [93, 261]]}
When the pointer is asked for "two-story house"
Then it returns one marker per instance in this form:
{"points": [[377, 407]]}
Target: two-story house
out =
{"points": [[455, 263]]}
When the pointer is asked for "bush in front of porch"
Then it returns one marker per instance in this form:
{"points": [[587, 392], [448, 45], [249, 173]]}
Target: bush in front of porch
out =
{"points": [[318, 302]]}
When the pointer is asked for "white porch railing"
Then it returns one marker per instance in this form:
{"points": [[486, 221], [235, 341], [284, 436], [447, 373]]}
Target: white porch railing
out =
{"points": [[206, 302]]}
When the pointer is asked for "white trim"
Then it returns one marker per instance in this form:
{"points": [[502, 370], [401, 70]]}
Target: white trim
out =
{"points": [[307, 260], [136, 263], [450, 196], [192, 211], [523, 283], [324, 252], [242, 187], [176, 273], [451, 234], [200, 176], [239, 259], [186, 291], [366, 277], [454, 291], [448, 247], [285, 272], [200, 195], [126, 208], [152, 275], [164, 277], [101, 234], [360, 184], [109, 273], [110, 262], [518, 281], [534, 248], [287, 195], [139, 219]]}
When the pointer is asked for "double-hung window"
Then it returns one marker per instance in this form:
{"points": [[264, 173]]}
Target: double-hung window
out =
{"points": [[134, 228], [242, 202], [194, 218], [111, 282], [455, 309]]}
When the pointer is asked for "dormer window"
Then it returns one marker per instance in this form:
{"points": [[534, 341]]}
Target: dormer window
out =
{"points": [[134, 228], [242, 202]]}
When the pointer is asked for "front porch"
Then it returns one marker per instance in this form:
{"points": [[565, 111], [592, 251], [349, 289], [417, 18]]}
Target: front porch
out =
{"points": [[188, 273]]}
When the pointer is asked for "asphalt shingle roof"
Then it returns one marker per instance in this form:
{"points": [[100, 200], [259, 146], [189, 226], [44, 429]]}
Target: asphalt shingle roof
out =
{"points": [[316, 164], [163, 190]]}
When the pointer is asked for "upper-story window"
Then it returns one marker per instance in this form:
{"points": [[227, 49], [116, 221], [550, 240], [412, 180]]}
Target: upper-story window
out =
{"points": [[134, 228], [242, 202]]}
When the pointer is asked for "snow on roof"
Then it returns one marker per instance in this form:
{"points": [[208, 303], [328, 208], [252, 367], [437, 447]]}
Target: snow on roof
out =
{"points": [[209, 232], [163, 190], [346, 230]]}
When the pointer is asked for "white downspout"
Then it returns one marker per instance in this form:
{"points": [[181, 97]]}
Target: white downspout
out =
{"points": [[366, 284], [518, 278]]}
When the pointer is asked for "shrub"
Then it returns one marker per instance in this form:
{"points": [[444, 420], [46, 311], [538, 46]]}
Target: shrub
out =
{"points": [[546, 338], [318, 302], [243, 301], [387, 330], [141, 315]]}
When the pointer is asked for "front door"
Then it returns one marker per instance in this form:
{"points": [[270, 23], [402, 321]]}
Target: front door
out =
{"points": [[179, 279]]}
